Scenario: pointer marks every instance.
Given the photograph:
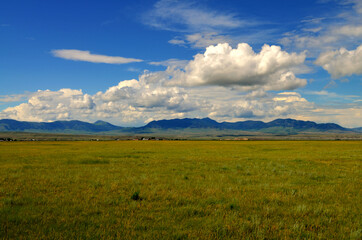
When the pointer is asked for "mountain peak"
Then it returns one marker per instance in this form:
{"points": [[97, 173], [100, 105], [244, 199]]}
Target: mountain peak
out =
{"points": [[100, 122], [183, 123]]}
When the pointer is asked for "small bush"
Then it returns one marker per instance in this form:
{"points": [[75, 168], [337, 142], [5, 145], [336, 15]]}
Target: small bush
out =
{"points": [[136, 196]]}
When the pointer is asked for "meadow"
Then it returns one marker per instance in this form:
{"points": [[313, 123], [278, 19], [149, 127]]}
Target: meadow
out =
{"points": [[180, 190]]}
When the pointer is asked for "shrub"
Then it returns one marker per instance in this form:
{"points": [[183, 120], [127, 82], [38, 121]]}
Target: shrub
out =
{"points": [[136, 196]]}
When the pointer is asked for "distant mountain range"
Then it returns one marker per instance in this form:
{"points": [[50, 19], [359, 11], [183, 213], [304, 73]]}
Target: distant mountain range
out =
{"points": [[189, 125], [245, 125], [57, 126]]}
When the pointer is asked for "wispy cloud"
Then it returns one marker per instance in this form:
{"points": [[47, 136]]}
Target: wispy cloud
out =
{"points": [[86, 56], [177, 41], [333, 114], [327, 94], [198, 25], [357, 5], [132, 69], [14, 98], [349, 30], [200, 40], [187, 16], [343, 29], [173, 62], [314, 30]]}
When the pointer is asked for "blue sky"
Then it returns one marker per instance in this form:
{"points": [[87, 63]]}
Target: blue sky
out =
{"points": [[130, 62]]}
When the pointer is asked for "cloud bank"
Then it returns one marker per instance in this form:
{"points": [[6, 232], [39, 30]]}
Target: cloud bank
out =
{"points": [[86, 56], [134, 102]]}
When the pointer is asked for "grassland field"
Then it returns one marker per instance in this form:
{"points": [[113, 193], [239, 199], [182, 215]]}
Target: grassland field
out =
{"points": [[180, 190]]}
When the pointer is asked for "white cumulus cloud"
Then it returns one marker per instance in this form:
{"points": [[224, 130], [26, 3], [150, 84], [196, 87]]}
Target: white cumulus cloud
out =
{"points": [[86, 56], [46, 105], [224, 66], [341, 62]]}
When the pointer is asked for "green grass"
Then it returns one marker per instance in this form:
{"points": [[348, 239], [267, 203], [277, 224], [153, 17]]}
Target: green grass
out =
{"points": [[181, 190]]}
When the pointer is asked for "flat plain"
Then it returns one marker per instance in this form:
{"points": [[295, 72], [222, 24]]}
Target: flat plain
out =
{"points": [[180, 190]]}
